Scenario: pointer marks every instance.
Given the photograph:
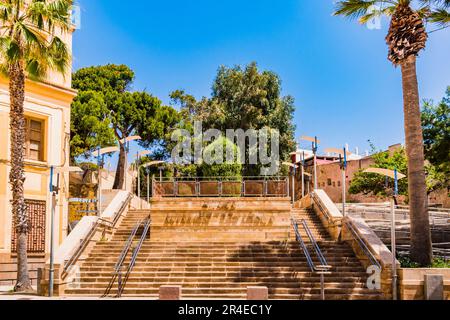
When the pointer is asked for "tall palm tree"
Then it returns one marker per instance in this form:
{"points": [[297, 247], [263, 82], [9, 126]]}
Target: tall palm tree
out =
{"points": [[29, 47], [406, 38]]}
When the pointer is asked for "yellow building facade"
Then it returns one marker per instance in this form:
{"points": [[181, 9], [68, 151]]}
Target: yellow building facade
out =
{"points": [[47, 111]]}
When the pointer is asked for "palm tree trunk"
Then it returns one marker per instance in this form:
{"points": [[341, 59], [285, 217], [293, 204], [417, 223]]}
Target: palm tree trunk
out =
{"points": [[120, 171], [17, 175], [421, 249]]}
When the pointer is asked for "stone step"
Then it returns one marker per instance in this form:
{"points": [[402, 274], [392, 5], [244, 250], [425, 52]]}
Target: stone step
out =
{"points": [[221, 250], [131, 285], [243, 296], [225, 290], [149, 278], [226, 255], [223, 245], [258, 273], [227, 269]]}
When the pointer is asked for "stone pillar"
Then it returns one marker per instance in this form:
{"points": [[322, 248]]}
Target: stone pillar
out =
{"points": [[257, 293], [434, 287], [170, 293]]}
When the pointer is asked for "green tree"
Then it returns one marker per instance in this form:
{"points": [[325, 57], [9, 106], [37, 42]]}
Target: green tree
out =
{"points": [[436, 131], [90, 126], [371, 183], [243, 98], [30, 46], [125, 113], [406, 38]]}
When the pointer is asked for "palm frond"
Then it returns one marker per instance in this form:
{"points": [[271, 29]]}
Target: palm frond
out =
{"points": [[440, 17], [354, 8], [50, 14], [5, 10]]}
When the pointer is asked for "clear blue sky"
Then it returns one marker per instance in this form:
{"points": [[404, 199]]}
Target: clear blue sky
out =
{"points": [[345, 88]]}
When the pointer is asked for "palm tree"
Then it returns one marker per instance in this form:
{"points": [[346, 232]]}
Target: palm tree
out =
{"points": [[29, 47], [406, 38]]}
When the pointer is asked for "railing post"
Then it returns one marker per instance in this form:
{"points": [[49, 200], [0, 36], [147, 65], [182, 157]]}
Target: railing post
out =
{"points": [[322, 286], [287, 187], [175, 187]]}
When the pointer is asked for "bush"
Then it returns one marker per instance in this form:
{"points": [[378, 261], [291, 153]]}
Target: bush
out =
{"points": [[225, 169], [406, 262]]}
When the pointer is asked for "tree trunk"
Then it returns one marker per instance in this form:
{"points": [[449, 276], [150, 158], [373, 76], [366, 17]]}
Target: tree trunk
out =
{"points": [[421, 249], [17, 175], [119, 180]]}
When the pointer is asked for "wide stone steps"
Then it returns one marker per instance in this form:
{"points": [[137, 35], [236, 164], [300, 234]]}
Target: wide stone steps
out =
{"points": [[150, 277], [242, 296], [228, 284], [255, 275], [240, 293], [215, 248]]}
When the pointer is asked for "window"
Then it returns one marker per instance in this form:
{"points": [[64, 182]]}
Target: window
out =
{"points": [[34, 139], [334, 184], [329, 182], [339, 183]]}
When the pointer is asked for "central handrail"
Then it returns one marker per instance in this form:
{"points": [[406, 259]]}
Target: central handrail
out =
{"points": [[303, 246], [119, 264], [321, 269], [319, 253], [122, 283], [323, 262]]}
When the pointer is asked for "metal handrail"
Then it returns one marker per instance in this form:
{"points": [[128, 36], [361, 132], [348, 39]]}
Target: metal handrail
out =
{"points": [[319, 253], [321, 206], [303, 246], [121, 284], [91, 233], [321, 269], [119, 264], [363, 245]]}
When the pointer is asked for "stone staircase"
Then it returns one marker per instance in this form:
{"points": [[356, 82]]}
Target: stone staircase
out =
{"points": [[216, 248]]}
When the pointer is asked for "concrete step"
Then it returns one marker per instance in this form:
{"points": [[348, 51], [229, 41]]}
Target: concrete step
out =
{"points": [[214, 292]]}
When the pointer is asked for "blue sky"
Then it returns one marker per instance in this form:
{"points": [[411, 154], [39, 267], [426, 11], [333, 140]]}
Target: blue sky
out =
{"points": [[346, 91]]}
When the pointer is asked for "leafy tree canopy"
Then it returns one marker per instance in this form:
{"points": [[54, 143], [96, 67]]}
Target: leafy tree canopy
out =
{"points": [[242, 98], [436, 131], [106, 112], [367, 183]]}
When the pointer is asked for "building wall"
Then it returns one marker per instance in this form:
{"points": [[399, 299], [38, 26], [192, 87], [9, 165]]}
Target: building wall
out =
{"points": [[48, 101], [331, 173]]}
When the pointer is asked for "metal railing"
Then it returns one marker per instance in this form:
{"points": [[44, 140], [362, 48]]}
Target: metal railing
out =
{"points": [[117, 274], [318, 202], [122, 282], [74, 257], [321, 269], [221, 187], [373, 260]]}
